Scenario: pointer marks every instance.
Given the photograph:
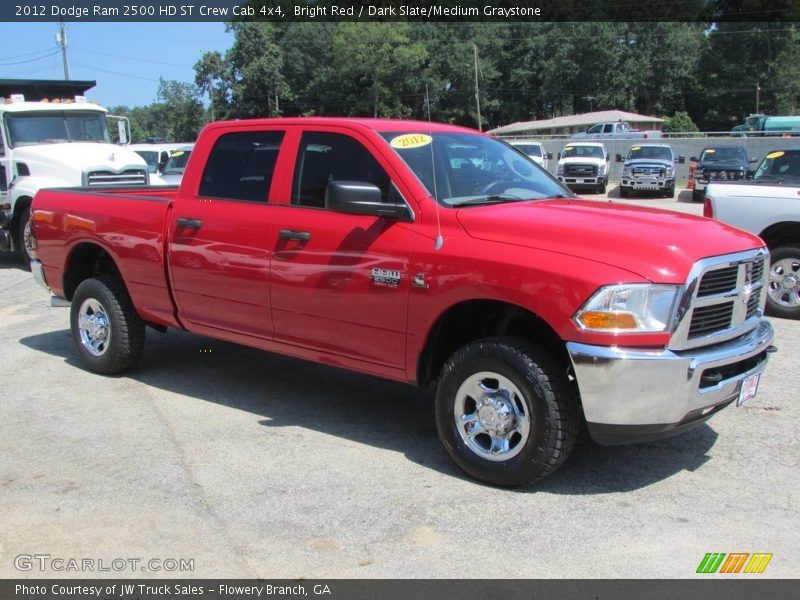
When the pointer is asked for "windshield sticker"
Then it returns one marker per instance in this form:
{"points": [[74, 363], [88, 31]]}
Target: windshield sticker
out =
{"points": [[568, 148], [177, 153], [710, 151], [410, 140], [636, 148], [775, 154]]}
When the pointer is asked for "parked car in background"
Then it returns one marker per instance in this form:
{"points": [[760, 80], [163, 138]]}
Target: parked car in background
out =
{"points": [[769, 206], [583, 165], [719, 163], [535, 151], [616, 129], [176, 165], [156, 156], [648, 168]]}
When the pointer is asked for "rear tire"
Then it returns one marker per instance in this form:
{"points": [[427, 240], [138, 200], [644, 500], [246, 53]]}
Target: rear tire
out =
{"points": [[783, 286], [505, 411], [106, 329]]}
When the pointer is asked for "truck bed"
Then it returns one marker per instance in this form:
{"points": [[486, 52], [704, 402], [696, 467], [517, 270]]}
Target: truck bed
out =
{"points": [[128, 224]]}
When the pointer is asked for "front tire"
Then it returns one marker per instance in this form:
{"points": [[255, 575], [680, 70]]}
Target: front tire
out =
{"points": [[106, 329], [623, 192], [505, 411], [22, 224], [783, 287]]}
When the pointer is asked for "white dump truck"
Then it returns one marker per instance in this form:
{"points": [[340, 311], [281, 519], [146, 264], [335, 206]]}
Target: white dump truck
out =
{"points": [[52, 136]]}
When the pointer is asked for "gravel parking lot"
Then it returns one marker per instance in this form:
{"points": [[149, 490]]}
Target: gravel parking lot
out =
{"points": [[249, 464]]}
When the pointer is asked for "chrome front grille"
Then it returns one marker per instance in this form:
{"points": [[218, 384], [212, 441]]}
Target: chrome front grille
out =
{"points": [[110, 178], [723, 299], [723, 175], [656, 171]]}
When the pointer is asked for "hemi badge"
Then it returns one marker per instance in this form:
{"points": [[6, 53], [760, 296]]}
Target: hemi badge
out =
{"points": [[419, 281]]}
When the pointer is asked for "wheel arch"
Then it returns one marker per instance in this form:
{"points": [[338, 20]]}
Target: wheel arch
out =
{"points": [[87, 260], [471, 320], [781, 234]]}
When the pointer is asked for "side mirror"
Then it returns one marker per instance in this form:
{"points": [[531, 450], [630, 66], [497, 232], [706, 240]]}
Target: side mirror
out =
{"points": [[362, 198], [619, 157], [753, 160], [608, 157], [681, 159], [693, 158], [559, 156], [549, 156], [3, 179]]}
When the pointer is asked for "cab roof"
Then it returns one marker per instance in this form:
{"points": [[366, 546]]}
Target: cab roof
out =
{"points": [[379, 125]]}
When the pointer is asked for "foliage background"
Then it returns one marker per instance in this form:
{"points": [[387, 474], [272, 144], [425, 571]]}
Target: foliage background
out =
{"points": [[703, 74]]}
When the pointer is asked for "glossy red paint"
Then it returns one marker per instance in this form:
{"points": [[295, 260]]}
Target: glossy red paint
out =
{"points": [[236, 278]]}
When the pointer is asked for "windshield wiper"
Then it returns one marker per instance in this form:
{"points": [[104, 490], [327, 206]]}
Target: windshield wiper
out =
{"points": [[494, 199]]}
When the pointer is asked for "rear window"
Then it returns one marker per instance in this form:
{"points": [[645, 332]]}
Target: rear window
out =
{"points": [[241, 166]]}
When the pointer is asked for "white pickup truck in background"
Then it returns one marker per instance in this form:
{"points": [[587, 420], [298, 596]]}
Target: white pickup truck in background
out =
{"points": [[769, 206]]}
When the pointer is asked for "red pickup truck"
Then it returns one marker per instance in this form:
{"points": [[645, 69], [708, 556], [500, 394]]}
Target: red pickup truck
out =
{"points": [[429, 254]]}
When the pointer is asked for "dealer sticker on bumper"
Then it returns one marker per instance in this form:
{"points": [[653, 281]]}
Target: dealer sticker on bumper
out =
{"points": [[748, 389]]}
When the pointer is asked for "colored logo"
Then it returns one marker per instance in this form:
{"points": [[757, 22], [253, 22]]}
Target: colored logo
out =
{"points": [[735, 562]]}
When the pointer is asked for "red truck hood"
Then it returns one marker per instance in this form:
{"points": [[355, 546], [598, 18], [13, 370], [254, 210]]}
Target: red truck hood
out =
{"points": [[658, 245]]}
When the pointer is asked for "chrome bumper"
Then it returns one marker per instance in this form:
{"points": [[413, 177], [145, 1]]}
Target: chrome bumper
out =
{"points": [[657, 393]]}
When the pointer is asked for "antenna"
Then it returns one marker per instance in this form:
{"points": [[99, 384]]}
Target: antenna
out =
{"points": [[439, 239]]}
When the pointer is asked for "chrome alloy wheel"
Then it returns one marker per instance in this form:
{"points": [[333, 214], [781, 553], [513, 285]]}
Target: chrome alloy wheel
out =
{"points": [[491, 416], [784, 282], [94, 327]]}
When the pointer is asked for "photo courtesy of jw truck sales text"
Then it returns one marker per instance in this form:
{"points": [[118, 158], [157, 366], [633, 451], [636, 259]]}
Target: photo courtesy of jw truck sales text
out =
{"points": [[518, 346]]}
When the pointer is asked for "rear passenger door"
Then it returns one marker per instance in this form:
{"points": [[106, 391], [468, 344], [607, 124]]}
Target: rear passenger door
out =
{"points": [[340, 282], [221, 234]]}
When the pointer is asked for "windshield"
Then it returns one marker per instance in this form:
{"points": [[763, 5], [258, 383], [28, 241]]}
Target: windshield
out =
{"points": [[177, 162], [652, 152], [582, 152], [782, 165], [150, 157], [723, 153], [54, 127], [464, 168], [530, 149]]}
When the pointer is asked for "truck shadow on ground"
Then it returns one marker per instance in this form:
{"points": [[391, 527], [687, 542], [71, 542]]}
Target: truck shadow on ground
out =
{"points": [[286, 392]]}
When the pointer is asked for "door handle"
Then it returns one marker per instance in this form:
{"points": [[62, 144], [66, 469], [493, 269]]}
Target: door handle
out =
{"points": [[189, 223], [300, 236]]}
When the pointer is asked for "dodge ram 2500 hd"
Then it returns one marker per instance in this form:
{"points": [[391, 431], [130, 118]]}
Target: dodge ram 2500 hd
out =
{"points": [[769, 206], [428, 254]]}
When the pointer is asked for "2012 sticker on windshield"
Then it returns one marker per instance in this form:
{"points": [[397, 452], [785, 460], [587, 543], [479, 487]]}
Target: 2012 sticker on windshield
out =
{"points": [[775, 154], [410, 140]]}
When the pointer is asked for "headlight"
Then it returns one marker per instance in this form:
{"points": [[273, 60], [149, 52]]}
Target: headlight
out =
{"points": [[629, 308], [559, 169], [626, 172], [601, 170], [670, 172]]}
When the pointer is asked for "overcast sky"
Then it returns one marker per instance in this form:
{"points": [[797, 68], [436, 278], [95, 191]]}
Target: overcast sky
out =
{"points": [[126, 59]]}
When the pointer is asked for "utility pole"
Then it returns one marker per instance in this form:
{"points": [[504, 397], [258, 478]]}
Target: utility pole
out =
{"points": [[477, 90], [61, 40], [590, 99], [758, 89]]}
